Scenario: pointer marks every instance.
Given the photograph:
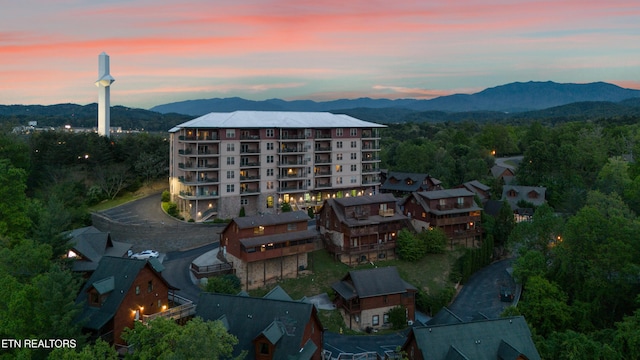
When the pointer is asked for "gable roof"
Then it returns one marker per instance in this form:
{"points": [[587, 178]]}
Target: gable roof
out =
{"points": [[475, 186], [283, 324], [372, 282], [339, 206], [275, 119], [397, 181], [113, 276], [502, 338], [497, 171], [248, 222], [422, 198], [522, 193], [92, 244]]}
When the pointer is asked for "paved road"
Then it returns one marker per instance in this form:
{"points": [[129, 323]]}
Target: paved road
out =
{"points": [[177, 270], [481, 293], [509, 161]]}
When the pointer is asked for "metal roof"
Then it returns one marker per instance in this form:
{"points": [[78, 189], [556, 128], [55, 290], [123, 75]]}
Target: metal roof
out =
{"points": [[275, 119]]}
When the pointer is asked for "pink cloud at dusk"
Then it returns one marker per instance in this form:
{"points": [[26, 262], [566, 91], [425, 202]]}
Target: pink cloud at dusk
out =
{"points": [[164, 50]]}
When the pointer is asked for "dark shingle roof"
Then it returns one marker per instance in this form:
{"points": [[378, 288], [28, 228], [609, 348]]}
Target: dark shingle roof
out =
{"points": [[339, 205], [92, 244], [247, 222], [279, 238], [480, 340], [113, 276], [247, 318], [372, 282]]}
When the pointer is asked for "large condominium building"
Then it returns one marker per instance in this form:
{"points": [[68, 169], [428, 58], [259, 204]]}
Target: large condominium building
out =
{"points": [[258, 160]]}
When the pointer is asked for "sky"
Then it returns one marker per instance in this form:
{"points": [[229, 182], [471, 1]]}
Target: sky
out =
{"points": [[164, 51]]}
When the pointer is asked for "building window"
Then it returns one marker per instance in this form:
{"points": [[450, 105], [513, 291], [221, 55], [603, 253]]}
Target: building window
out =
{"points": [[354, 167], [269, 172], [231, 133], [339, 144], [258, 230], [354, 156], [339, 156], [231, 147], [231, 188], [338, 168], [339, 132], [270, 146], [292, 227], [231, 174], [353, 180], [150, 286], [353, 132], [244, 201], [269, 185], [264, 348], [385, 318], [137, 289], [95, 298], [354, 144], [269, 159], [231, 160], [375, 321], [270, 134], [442, 202], [159, 304], [460, 200], [339, 180], [270, 202]]}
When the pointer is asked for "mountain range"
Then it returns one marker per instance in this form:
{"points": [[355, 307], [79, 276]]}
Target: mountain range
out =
{"points": [[510, 98]]}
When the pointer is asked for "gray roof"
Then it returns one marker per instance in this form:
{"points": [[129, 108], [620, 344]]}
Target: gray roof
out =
{"points": [[284, 322], [113, 276], [446, 193], [522, 194], [279, 238], [443, 194], [372, 282], [502, 338], [275, 119], [92, 244], [339, 205], [475, 184], [417, 181], [247, 222]]}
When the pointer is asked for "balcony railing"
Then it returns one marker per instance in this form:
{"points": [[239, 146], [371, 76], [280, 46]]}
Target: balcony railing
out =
{"points": [[175, 313], [323, 148], [386, 212], [198, 138], [249, 151], [250, 178], [250, 163], [250, 137], [323, 161], [211, 270]]}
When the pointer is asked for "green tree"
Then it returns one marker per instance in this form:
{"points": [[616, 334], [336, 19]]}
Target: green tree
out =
{"points": [[225, 284], [99, 350], [197, 339], [14, 220], [410, 247], [398, 317], [544, 305], [285, 207], [503, 225], [435, 240], [614, 176]]}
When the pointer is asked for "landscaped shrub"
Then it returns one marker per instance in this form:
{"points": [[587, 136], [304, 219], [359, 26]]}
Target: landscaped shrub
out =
{"points": [[166, 196], [172, 209], [398, 317], [410, 247]]}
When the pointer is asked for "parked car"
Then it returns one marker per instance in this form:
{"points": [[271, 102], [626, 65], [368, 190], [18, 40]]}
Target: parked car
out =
{"points": [[147, 254], [506, 295]]}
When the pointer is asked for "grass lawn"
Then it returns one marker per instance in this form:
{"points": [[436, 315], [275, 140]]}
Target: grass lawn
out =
{"points": [[431, 274], [125, 197]]}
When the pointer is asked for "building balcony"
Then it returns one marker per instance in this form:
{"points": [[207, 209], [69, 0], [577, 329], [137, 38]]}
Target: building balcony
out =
{"points": [[323, 161], [246, 164], [368, 158], [249, 178], [321, 136], [293, 150], [323, 148], [250, 137], [250, 151], [185, 308], [386, 212], [370, 170], [292, 176], [323, 173], [295, 136], [210, 138], [250, 191], [370, 180], [361, 249], [199, 195], [370, 134], [192, 167], [198, 181], [286, 163]]}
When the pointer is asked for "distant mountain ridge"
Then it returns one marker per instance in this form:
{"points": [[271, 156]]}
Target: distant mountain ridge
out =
{"points": [[513, 97]]}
